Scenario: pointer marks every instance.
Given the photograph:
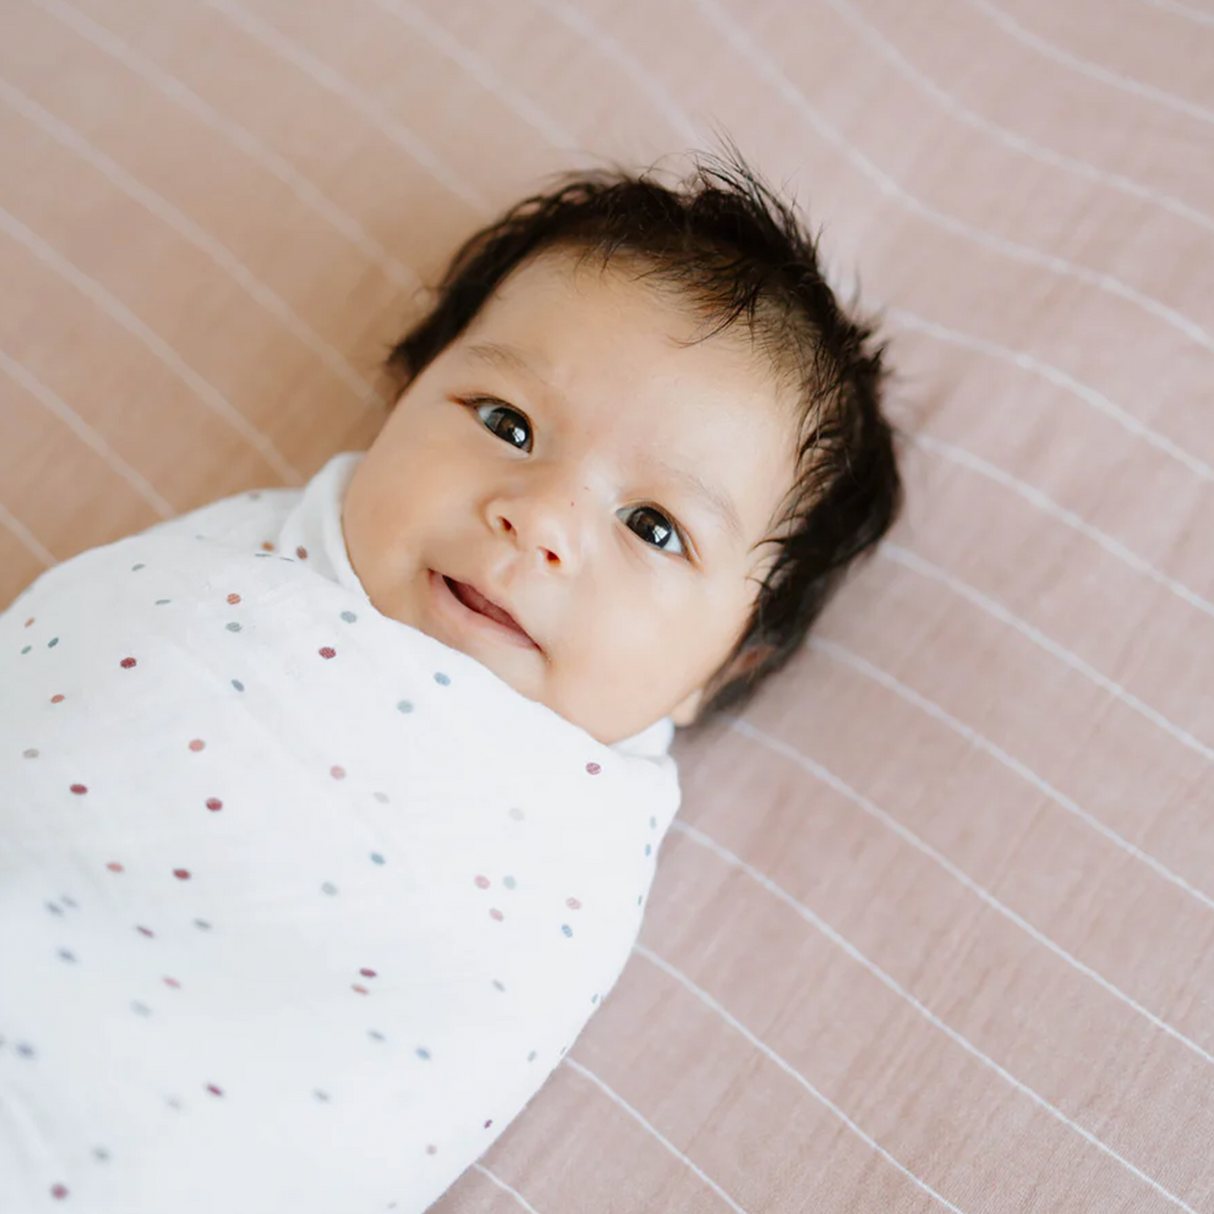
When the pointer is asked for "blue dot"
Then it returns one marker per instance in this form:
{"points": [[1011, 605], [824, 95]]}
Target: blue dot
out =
{"points": [[27, 649], [375, 1035], [67, 955], [263, 555], [323, 1097], [141, 1009], [329, 888], [648, 849], [594, 998], [423, 1053], [349, 617], [640, 899], [202, 925], [238, 684], [653, 823], [381, 797], [509, 882], [162, 602], [136, 568], [566, 929], [52, 643], [24, 1049], [233, 626], [532, 1056], [404, 706], [376, 858], [442, 679]]}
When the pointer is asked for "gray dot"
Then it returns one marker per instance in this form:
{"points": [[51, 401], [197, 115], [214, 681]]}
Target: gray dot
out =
{"points": [[323, 1097], [404, 706], [101, 1154], [261, 555], [27, 649], [136, 568], [329, 888], [173, 1102], [202, 925], [238, 684], [517, 814], [376, 858], [25, 1049], [141, 1009], [423, 1053], [381, 797], [653, 823], [52, 643], [375, 1035], [566, 929], [233, 626], [532, 1056], [498, 985], [32, 753], [162, 602], [509, 882], [442, 679], [67, 955], [349, 617], [54, 908], [68, 901]]}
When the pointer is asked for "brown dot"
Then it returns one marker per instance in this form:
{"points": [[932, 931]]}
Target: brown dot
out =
{"points": [[366, 973], [328, 652], [79, 789], [214, 803], [114, 866], [301, 552], [182, 874], [267, 546], [127, 663], [233, 599], [197, 744], [56, 699], [29, 621], [362, 990]]}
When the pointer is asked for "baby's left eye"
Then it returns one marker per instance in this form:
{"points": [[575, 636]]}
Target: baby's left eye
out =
{"points": [[656, 529]]}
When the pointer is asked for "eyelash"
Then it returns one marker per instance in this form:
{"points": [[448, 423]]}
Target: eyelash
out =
{"points": [[476, 403]]}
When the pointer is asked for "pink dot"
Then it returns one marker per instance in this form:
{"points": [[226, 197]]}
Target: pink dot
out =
{"points": [[573, 904], [214, 803], [59, 1192], [302, 553], [197, 744], [233, 599], [147, 931], [215, 1091], [328, 652], [366, 973], [79, 789], [496, 914], [127, 663], [56, 699], [338, 773], [115, 867], [182, 874], [482, 883], [593, 768], [488, 1123], [173, 983], [362, 990], [431, 1149]]}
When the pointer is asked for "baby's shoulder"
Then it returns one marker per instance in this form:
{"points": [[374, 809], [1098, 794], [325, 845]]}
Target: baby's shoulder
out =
{"points": [[245, 520]]}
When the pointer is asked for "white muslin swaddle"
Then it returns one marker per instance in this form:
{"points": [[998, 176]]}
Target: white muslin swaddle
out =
{"points": [[298, 906]]}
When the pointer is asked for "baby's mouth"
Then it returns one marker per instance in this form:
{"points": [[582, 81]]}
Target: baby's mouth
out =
{"points": [[475, 601]]}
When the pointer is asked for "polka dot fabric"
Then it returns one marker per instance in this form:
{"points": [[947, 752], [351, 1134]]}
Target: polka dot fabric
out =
{"points": [[298, 907]]}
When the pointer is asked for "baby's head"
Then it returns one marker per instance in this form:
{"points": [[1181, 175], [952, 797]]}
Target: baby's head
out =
{"points": [[639, 423]]}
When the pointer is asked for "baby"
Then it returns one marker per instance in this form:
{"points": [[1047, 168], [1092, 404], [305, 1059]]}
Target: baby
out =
{"points": [[327, 818]]}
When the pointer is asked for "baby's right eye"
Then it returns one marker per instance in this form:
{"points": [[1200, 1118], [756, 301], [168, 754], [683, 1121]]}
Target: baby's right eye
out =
{"points": [[508, 424]]}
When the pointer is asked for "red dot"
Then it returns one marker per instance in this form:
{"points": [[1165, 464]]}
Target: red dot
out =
{"points": [[197, 744], [267, 546], [573, 904], [338, 773], [362, 990], [115, 867], [496, 914], [56, 699], [233, 599], [182, 874], [488, 1123], [302, 553], [59, 1192], [593, 768], [482, 883], [327, 652], [127, 663], [173, 983], [214, 1090], [79, 789], [366, 973], [147, 931], [214, 803]]}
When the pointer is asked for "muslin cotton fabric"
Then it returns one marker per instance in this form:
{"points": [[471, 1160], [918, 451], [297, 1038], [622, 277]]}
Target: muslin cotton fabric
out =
{"points": [[298, 906]]}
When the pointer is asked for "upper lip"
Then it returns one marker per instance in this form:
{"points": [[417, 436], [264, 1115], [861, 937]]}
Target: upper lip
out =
{"points": [[498, 601]]}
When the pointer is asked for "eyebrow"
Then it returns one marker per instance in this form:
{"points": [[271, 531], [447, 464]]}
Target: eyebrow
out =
{"points": [[719, 502]]}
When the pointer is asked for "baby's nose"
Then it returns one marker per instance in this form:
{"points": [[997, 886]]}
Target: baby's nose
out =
{"points": [[550, 524]]}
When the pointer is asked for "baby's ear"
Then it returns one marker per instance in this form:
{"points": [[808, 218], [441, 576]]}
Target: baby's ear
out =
{"points": [[686, 711]]}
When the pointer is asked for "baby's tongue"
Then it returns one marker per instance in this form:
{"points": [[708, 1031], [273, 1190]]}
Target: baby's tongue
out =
{"points": [[478, 602]]}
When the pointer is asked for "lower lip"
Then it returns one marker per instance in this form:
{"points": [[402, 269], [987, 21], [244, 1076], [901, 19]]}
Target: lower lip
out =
{"points": [[464, 617]]}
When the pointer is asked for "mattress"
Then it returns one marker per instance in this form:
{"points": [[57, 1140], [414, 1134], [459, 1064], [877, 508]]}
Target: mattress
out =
{"points": [[934, 930]]}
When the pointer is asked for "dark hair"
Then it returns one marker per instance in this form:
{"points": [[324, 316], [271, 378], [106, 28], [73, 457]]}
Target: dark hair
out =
{"points": [[737, 253]]}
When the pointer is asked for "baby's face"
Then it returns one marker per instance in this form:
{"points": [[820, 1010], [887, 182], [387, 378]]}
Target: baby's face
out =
{"points": [[568, 460]]}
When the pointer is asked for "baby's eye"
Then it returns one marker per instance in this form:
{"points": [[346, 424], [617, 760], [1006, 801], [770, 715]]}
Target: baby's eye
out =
{"points": [[508, 424], [656, 529]]}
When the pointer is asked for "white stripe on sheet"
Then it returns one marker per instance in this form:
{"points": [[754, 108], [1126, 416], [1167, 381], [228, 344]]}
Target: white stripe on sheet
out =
{"points": [[29, 541], [120, 313], [1186, 11], [501, 1184], [827, 777]]}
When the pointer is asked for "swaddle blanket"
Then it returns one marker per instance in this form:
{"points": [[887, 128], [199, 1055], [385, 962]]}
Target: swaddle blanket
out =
{"points": [[298, 906]]}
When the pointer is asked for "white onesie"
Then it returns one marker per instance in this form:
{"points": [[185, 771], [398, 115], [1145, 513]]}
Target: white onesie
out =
{"points": [[298, 906]]}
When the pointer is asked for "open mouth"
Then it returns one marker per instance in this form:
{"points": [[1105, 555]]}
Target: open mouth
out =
{"points": [[474, 601]]}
